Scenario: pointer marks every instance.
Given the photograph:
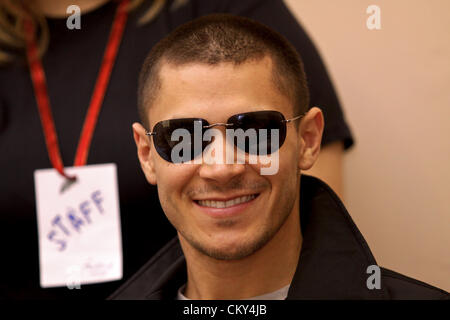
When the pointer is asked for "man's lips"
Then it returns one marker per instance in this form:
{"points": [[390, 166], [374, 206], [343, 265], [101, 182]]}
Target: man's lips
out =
{"points": [[226, 202], [225, 206]]}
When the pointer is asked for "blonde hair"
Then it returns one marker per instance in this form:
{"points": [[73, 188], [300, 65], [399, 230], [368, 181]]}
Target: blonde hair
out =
{"points": [[14, 12]]}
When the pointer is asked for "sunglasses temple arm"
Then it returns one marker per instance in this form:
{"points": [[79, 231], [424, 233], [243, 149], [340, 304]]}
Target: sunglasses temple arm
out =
{"points": [[295, 118]]}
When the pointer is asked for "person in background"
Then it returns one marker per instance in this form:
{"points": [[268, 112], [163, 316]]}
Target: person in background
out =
{"points": [[71, 60]]}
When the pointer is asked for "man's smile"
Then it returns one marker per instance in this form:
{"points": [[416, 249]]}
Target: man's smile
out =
{"points": [[221, 207], [226, 203]]}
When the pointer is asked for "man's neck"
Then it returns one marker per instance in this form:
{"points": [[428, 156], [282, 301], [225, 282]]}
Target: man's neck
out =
{"points": [[267, 270], [58, 8]]}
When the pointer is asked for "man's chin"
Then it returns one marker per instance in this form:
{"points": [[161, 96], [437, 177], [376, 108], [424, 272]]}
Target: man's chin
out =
{"points": [[226, 254], [231, 249]]}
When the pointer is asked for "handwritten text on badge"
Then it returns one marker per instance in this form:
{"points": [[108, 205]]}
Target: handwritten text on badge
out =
{"points": [[75, 220]]}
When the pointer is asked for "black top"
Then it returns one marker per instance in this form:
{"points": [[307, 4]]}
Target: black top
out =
{"points": [[71, 65], [333, 260]]}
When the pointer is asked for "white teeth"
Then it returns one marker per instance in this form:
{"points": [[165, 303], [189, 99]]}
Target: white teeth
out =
{"points": [[226, 204]]}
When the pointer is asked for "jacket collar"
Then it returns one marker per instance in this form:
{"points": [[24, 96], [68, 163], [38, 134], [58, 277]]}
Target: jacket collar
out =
{"points": [[334, 256], [333, 259]]}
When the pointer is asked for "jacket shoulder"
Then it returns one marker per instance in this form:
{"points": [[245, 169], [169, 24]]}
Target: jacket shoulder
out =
{"points": [[152, 272], [402, 287]]}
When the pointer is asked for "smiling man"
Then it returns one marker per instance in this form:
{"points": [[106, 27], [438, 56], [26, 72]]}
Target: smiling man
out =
{"points": [[243, 234]]}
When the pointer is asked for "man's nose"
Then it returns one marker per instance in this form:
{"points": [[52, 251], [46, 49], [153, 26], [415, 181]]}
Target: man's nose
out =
{"points": [[214, 165], [221, 173]]}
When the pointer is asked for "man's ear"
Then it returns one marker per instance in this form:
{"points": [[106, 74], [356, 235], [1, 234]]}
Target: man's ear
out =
{"points": [[144, 150], [311, 129]]}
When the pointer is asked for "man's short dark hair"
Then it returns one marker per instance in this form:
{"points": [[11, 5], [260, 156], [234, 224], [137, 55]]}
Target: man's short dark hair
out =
{"points": [[218, 38]]}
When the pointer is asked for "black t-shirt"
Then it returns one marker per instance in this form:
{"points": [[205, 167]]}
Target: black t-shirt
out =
{"points": [[71, 65]]}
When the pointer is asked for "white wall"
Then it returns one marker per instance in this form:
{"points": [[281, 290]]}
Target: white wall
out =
{"points": [[394, 85]]}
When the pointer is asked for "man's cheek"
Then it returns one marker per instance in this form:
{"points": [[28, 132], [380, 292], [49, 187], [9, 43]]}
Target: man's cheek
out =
{"points": [[164, 192]]}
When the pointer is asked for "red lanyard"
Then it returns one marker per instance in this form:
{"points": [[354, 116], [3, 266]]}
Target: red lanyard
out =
{"points": [[43, 101]]}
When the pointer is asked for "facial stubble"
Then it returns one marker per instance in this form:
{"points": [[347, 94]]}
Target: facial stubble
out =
{"points": [[246, 248]]}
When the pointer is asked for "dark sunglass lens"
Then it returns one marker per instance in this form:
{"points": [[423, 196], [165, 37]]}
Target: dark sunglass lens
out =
{"points": [[255, 124], [178, 135]]}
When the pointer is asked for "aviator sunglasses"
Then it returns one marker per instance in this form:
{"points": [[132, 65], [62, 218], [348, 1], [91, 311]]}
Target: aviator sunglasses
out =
{"points": [[268, 120]]}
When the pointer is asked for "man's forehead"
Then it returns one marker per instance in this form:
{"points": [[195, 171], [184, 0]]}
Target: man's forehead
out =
{"points": [[170, 73], [189, 88]]}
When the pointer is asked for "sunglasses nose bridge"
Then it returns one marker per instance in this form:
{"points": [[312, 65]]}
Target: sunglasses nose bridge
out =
{"points": [[218, 124], [217, 149], [214, 141]]}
